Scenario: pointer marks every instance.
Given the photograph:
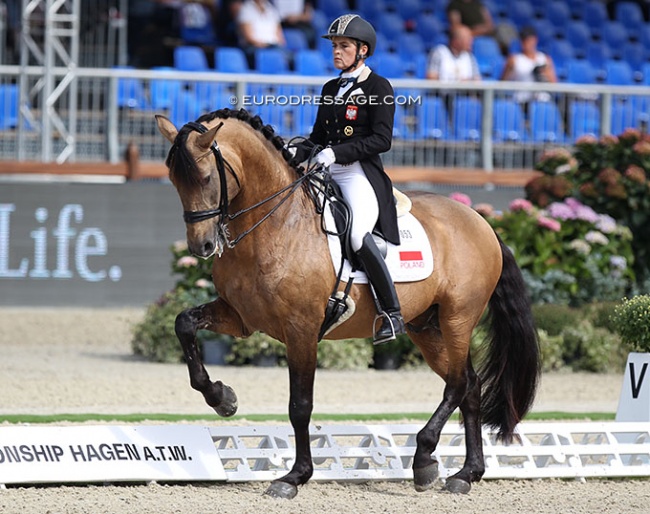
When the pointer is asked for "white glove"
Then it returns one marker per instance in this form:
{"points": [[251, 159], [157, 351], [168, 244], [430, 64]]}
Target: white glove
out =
{"points": [[326, 157]]}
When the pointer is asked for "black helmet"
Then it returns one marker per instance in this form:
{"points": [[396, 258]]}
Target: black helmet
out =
{"points": [[355, 27]]}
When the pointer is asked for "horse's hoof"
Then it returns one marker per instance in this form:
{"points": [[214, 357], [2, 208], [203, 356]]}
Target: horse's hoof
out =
{"points": [[228, 405], [424, 478], [457, 486], [281, 490]]}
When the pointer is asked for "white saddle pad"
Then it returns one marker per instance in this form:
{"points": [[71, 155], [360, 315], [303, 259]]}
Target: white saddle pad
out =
{"points": [[411, 261]]}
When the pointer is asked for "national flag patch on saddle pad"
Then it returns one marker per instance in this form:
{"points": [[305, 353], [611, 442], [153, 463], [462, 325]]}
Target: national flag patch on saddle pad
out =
{"points": [[411, 261]]}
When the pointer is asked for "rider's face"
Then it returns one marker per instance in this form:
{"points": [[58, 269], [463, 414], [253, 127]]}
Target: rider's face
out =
{"points": [[344, 51]]}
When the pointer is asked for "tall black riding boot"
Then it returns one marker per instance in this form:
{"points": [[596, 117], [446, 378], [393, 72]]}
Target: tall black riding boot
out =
{"points": [[373, 264]]}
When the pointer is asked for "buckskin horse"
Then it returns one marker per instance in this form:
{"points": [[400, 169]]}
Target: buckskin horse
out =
{"points": [[243, 201]]}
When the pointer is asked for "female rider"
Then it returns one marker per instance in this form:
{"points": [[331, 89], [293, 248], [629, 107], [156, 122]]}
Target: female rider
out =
{"points": [[354, 124]]}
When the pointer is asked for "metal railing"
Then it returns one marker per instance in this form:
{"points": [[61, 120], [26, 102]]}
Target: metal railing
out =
{"points": [[475, 125]]}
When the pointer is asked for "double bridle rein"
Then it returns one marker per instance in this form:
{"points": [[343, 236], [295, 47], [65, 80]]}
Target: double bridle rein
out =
{"points": [[221, 212]]}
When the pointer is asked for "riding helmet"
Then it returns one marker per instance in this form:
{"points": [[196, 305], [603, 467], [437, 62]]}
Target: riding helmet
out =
{"points": [[355, 27]]}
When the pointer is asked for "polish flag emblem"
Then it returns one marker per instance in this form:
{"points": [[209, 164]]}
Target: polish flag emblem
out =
{"points": [[410, 256]]}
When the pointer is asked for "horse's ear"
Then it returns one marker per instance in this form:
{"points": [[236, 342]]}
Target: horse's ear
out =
{"points": [[204, 141], [166, 128]]}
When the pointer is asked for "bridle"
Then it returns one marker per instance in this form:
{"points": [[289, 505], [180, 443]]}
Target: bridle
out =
{"points": [[221, 211]]}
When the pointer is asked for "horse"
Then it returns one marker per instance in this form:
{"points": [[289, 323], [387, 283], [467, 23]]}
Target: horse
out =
{"points": [[244, 201]]}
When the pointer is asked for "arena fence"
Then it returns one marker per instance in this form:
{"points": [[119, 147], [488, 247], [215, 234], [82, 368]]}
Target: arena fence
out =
{"points": [[469, 125], [69, 454]]}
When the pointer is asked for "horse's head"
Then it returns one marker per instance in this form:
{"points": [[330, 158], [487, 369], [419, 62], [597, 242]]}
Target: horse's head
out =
{"points": [[210, 176], [198, 171]]}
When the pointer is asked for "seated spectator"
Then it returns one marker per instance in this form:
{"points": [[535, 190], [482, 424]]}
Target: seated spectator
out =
{"points": [[297, 14], [454, 61], [226, 22], [529, 65], [473, 14], [259, 26]]}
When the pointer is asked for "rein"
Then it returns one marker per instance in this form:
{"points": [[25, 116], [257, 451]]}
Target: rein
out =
{"points": [[222, 210]]}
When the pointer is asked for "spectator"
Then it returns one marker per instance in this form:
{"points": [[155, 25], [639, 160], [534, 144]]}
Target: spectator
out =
{"points": [[454, 61], [259, 26], [529, 65], [473, 14], [297, 14]]}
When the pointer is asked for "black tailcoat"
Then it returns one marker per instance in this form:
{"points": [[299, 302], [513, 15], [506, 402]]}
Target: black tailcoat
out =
{"points": [[358, 127]]}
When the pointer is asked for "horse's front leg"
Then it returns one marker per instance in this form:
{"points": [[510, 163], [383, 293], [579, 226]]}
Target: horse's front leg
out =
{"points": [[219, 317], [302, 369]]}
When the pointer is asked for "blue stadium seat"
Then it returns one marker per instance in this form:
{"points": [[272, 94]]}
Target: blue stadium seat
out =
{"points": [[594, 14], [320, 21], [558, 13], [409, 46], [485, 46], [131, 94], [190, 58], [635, 55], [598, 53], [546, 32], [369, 9], [310, 62], [618, 73], [304, 118], [630, 14], [429, 28], [433, 120], [646, 74], [562, 53], [279, 117], [184, 108], [211, 96], [578, 35], [491, 68], [295, 39], [408, 9], [584, 119], [271, 61], [389, 65], [333, 8], [615, 35], [391, 25], [581, 72], [162, 91], [420, 67], [545, 122], [576, 7], [625, 115], [8, 106], [508, 121], [230, 60], [521, 13], [467, 113]]}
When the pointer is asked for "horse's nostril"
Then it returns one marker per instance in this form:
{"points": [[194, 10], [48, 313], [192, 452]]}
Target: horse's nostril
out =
{"points": [[208, 248]]}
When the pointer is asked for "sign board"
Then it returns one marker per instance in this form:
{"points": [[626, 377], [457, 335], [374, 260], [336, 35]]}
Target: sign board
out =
{"points": [[39, 454], [634, 402], [94, 245]]}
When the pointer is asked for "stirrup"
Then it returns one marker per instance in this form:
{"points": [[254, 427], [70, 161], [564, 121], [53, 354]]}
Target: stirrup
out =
{"points": [[378, 339]]}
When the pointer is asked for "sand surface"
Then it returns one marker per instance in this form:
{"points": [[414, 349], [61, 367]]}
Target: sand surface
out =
{"points": [[80, 361]]}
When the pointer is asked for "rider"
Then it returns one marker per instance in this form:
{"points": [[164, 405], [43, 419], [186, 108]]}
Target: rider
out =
{"points": [[355, 124]]}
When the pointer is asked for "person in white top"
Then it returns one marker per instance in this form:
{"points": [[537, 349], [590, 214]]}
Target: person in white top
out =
{"points": [[529, 65], [259, 26], [454, 62]]}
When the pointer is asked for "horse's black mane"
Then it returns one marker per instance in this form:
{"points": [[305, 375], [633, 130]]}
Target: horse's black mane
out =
{"points": [[183, 164]]}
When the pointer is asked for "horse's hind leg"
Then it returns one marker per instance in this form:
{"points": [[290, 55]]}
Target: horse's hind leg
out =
{"points": [[449, 358], [218, 317]]}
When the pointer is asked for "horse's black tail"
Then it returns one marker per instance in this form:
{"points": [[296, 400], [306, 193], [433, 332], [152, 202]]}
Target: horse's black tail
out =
{"points": [[511, 366]]}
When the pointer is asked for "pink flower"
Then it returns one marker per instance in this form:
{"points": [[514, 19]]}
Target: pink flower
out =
{"points": [[187, 261], [202, 283], [484, 209], [461, 198], [549, 223], [521, 204]]}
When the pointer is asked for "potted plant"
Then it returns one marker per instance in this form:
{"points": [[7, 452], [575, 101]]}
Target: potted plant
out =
{"points": [[259, 349], [631, 320]]}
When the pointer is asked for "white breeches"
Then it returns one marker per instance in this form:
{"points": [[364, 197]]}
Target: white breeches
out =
{"points": [[360, 195]]}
